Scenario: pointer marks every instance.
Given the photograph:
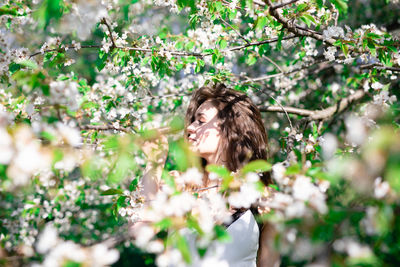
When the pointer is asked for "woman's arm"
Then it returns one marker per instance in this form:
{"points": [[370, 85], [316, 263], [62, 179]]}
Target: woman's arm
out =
{"points": [[156, 153], [267, 256]]}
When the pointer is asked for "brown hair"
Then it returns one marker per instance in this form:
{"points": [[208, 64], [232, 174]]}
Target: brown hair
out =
{"points": [[243, 134]]}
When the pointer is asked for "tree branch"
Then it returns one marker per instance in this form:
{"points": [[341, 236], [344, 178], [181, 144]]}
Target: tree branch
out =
{"points": [[262, 78], [293, 28], [283, 4], [105, 128], [318, 114], [259, 43], [63, 49], [284, 110], [379, 67], [236, 31], [175, 53], [104, 21]]}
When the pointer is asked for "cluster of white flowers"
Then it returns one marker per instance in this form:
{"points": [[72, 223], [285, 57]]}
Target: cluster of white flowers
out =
{"points": [[23, 153], [59, 252], [297, 193], [248, 193], [65, 93], [82, 17], [352, 247], [330, 53], [333, 31]]}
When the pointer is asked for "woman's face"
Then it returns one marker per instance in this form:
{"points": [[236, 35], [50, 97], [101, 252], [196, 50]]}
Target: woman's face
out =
{"points": [[204, 133]]}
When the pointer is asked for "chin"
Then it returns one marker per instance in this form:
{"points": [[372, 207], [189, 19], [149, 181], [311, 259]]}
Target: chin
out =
{"points": [[194, 149]]}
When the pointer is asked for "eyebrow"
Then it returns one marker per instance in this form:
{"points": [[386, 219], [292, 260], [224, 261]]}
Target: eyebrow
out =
{"points": [[199, 114]]}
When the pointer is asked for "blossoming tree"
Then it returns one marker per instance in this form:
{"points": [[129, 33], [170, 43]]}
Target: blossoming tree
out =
{"points": [[84, 82]]}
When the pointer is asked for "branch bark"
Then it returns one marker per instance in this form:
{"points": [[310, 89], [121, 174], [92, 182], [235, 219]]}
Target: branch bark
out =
{"points": [[175, 53], [104, 21], [318, 114], [236, 31], [379, 67], [283, 4], [293, 28], [262, 78], [104, 128]]}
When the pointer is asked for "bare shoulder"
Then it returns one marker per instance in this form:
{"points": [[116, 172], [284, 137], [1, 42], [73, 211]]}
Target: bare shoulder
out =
{"points": [[267, 255]]}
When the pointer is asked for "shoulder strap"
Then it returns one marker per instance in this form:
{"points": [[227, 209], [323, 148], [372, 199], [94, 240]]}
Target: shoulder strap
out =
{"points": [[255, 212], [235, 216]]}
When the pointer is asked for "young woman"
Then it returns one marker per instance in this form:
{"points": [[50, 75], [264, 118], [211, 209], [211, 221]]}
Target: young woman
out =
{"points": [[224, 127]]}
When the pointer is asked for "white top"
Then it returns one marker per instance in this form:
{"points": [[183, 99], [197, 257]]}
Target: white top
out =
{"points": [[241, 251]]}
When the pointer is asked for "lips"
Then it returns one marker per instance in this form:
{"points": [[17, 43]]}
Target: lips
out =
{"points": [[192, 139]]}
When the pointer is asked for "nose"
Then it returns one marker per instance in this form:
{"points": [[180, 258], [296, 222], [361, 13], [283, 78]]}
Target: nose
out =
{"points": [[191, 128]]}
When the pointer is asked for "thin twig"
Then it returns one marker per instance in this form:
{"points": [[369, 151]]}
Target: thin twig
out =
{"points": [[62, 49], [104, 128], [175, 53], [262, 78], [290, 110], [379, 66], [284, 110], [293, 28], [318, 114], [236, 31], [336, 18], [104, 21], [274, 63], [260, 43], [259, 3], [283, 4]]}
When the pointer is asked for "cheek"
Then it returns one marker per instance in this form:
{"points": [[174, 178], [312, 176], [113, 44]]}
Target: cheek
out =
{"points": [[210, 140]]}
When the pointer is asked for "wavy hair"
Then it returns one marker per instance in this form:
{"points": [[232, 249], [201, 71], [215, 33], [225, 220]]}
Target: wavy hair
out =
{"points": [[244, 137]]}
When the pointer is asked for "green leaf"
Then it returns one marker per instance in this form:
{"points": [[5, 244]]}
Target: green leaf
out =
{"points": [[183, 247], [179, 45], [341, 5], [221, 234], [101, 61], [8, 11], [47, 135], [49, 10], [223, 44], [164, 224], [221, 171], [294, 169], [189, 46], [257, 166], [279, 43], [29, 64], [121, 202], [111, 191], [70, 263], [177, 123], [306, 20], [218, 6], [251, 60], [310, 18], [373, 35], [261, 22], [301, 7], [123, 164], [232, 14], [133, 184], [191, 59], [199, 65]]}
